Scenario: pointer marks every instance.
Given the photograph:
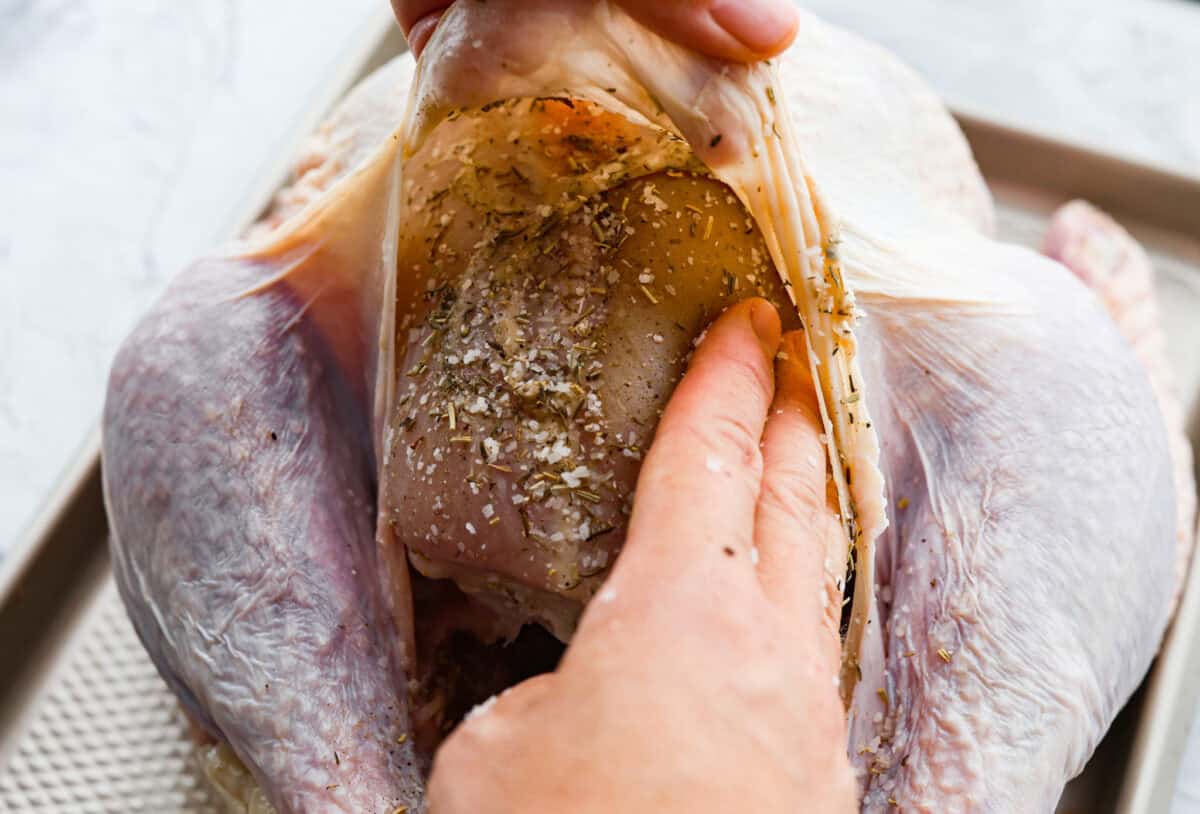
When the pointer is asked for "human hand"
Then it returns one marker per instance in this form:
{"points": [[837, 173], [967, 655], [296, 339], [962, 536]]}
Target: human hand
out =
{"points": [[702, 676], [737, 30]]}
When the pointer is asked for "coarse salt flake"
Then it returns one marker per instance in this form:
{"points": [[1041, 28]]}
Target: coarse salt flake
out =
{"points": [[576, 476], [480, 709], [491, 448], [553, 454]]}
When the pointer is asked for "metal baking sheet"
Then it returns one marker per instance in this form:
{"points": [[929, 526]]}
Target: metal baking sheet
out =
{"points": [[86, 725]]}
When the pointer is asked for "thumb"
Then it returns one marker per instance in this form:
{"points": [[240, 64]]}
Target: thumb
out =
{"points": [[417, 20], [736, 30]]}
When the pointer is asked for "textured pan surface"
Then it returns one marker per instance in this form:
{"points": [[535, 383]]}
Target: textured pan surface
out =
{"points": [[106, 735]]}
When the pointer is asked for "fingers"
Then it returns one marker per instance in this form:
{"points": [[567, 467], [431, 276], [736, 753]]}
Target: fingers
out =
{"points": [[737, 30], [800, 542], [418, 19], [698, 487]]}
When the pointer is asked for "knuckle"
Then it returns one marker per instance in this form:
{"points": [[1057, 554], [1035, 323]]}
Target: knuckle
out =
{"points": [[748, 374], [723, 443], [733, 435], [737, 623], [791, 489]]}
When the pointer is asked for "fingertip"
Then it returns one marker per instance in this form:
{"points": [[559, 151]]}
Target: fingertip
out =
{"points": [[422, 30], [764, 28], [793, 373], [793, 351], [732, 30], [726, 337], [767, 326]]}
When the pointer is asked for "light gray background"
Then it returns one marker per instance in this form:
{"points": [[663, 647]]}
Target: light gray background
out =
{"points": [[130, 130]]}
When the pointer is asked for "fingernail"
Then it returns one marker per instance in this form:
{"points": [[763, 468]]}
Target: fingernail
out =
{"points": [[764, 27], [765, 321]]}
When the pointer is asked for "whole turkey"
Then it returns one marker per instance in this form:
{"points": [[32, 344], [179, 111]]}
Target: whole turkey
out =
{"points": [[366, 467]]}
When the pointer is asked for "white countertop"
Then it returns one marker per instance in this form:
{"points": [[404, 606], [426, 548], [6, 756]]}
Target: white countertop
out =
{"points": [[131, 132]]}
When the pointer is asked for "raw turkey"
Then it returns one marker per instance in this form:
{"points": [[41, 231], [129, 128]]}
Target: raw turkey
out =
{"points": [[366, 467]]}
